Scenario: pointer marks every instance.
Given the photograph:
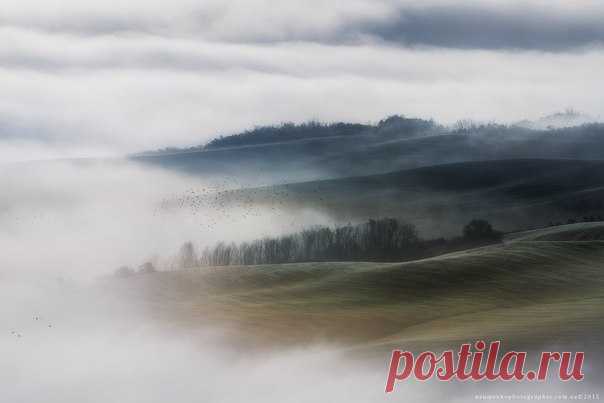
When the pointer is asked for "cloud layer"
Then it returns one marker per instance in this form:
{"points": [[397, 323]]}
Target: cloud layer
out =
{"points": [[90, 79], [541, 25]]}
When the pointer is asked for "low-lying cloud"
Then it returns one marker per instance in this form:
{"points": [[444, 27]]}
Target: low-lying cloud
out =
{"points": [[95, 79], [480, 26], [121, 95], [536, 25], [82, 220], [62, 343]]}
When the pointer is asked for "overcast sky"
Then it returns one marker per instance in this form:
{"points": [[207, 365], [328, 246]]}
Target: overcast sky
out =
{"points": [[82, 78]]}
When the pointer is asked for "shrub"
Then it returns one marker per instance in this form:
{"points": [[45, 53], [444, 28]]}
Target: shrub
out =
{"points": [[124, 271], [480, 230]]}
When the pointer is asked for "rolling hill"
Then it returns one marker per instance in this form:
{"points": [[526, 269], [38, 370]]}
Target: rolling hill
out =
{"points": [[375, 152], [512, 194], [522, 290]]}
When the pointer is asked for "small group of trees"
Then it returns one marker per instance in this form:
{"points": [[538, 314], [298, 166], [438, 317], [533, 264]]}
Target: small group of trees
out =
{"points": [[480, 231], [401, 125], [127, 271]]}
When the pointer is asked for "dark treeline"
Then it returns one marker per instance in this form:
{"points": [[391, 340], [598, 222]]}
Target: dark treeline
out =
{"points": [[395, 125], [385, 239], [381, 239], [290, 131], [549, 140], [287, 132]]}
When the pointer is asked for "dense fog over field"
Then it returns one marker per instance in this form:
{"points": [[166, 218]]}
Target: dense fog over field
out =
{"points": [[364, 175], [100, 348], [62, 343], [64, 337], [86, 218], [68, 334]]}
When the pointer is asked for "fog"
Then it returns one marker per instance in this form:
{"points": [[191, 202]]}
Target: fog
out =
{"points": [[100, 348], [151, 93], [83, 219], [65, 226], [92, 79], [67, 335], [96, 80]]}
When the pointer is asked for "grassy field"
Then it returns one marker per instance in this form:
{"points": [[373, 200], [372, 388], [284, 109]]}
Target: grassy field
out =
{"points": [[528, 288]]}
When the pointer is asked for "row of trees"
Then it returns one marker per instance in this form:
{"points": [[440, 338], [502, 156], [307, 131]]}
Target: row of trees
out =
{"points": [[385, 239], [395, 125], [288, 132], [381, 239], [127, 271]]}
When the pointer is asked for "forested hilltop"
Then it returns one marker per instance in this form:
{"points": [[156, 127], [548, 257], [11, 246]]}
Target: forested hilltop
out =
{"points": [[393, 127], [313, 151], [285, 132]]}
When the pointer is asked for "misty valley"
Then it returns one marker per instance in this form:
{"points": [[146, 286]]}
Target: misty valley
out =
{"points": [[255, 201], [201, 261]]}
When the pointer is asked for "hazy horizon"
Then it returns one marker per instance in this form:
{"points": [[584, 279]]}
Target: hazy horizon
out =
{"points": [[285, 264], [96, 80]]}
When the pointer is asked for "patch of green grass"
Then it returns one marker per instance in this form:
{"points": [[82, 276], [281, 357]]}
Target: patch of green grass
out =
{"points": [[522, 289]]}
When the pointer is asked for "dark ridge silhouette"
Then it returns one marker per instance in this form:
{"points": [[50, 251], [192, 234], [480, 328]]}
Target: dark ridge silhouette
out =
{"points": [[513, 195], [394, 144], [285, 132]]}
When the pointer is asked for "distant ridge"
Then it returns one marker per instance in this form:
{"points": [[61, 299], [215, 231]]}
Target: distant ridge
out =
{"points": [[568, 118], [287, 132]]}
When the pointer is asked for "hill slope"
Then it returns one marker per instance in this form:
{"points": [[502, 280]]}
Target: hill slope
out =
{"points": [[520, 290], [513, 194], [377, 152]]}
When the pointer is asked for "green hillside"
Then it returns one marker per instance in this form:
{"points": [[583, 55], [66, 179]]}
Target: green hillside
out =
{"points": [[523, 289]]}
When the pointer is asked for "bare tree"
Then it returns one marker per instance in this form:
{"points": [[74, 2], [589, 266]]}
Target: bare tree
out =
{"points": [[187, 256]]}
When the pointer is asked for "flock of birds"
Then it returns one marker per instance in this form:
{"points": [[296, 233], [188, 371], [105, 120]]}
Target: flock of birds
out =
{"points": [[216, 205], [18, 335], [30, 217], [226, 200], [220, 205]]}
